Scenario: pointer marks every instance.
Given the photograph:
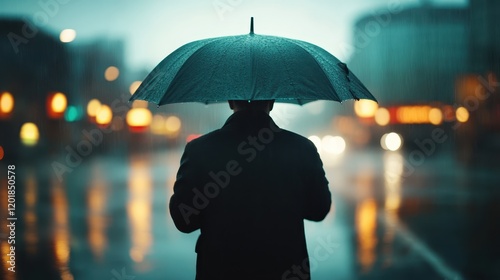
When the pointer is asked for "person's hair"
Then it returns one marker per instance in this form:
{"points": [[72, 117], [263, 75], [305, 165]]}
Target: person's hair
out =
{"points": [[252, 104]]}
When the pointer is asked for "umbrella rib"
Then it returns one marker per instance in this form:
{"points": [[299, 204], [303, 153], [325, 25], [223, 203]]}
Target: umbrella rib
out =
{"points": [[217, 66], [314, 56], [153, 79], [287, 68], [189, 58], [354, 86]]}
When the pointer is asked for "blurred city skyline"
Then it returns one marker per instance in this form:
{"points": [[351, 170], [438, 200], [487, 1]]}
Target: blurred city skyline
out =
{"points": [[166, 25]]}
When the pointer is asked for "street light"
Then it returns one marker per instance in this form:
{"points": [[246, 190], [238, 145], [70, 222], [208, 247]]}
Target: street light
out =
{"points": [[139, 119], [435, 116], [382, 116], [173, 125], [333, 144], [92, 108], [158, 125], [59, 102], [391, 141], [6, 104], [365, 108], [56, 105], [462, 114], [104, 115], [111, 73], [67, 35], [29, 134]]}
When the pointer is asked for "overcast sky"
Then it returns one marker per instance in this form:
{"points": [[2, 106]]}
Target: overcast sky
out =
{"points": [[151, 29]]}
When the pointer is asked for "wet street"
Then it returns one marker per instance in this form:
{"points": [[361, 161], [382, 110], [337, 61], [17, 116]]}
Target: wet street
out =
{"points": [[108, 219]]}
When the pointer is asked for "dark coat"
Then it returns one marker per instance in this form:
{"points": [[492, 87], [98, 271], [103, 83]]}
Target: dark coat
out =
{"points": [[248, 186]]}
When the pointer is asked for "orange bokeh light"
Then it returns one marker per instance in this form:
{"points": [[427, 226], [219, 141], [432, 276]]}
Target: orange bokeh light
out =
{"points": [[6, 104], [56, 105]]}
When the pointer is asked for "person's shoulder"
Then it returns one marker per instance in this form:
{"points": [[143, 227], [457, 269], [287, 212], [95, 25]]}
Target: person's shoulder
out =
{"points": [[296, 138], [291, 134], [204, 139]]}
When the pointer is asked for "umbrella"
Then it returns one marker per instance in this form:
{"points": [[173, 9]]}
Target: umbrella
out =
{"points": [[250, 67]]}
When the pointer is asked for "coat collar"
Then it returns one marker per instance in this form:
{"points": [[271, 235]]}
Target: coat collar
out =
{"points": [[249, 120]]}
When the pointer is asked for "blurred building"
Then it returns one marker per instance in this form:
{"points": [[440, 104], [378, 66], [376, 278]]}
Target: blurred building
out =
{"points": [[34, 66], [413, 55], [478, 88], [485, 36], [101, 69], [434, 66], [102, 75], [47, 84]]}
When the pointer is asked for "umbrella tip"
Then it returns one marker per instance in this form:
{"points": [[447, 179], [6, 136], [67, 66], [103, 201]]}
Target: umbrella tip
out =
{"points": [[251, 26]]}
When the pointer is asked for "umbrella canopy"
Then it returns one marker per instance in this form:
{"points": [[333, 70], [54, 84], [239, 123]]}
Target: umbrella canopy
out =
{"points": [[250, 67]]}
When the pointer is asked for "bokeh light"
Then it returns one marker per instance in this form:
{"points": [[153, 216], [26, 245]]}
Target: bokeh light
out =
{"points": [[73, 113], [140, 104], [333, 144], [138, 119], [93, 107], [6, 103], [391, 141], [59, 103], [462, 114], [67, 35], [382, 116], [435, 116], [173, 125], [158, 125], [56, 104], [365, 108], [104, 115], [134, 86], [191, 137], [29, 134], [2, 153], [112, 73], [316, 140]]}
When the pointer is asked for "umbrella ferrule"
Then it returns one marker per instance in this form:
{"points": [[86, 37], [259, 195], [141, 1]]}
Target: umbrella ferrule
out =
{"points": [[251, 26]]}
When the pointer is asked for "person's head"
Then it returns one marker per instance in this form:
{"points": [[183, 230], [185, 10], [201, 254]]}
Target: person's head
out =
{"points": [[252, 105]]}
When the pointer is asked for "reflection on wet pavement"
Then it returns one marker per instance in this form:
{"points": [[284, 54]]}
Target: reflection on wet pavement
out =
{"points": [[109, 220], [61, 229], [366, 225], [96, 215], [139, 209]]}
